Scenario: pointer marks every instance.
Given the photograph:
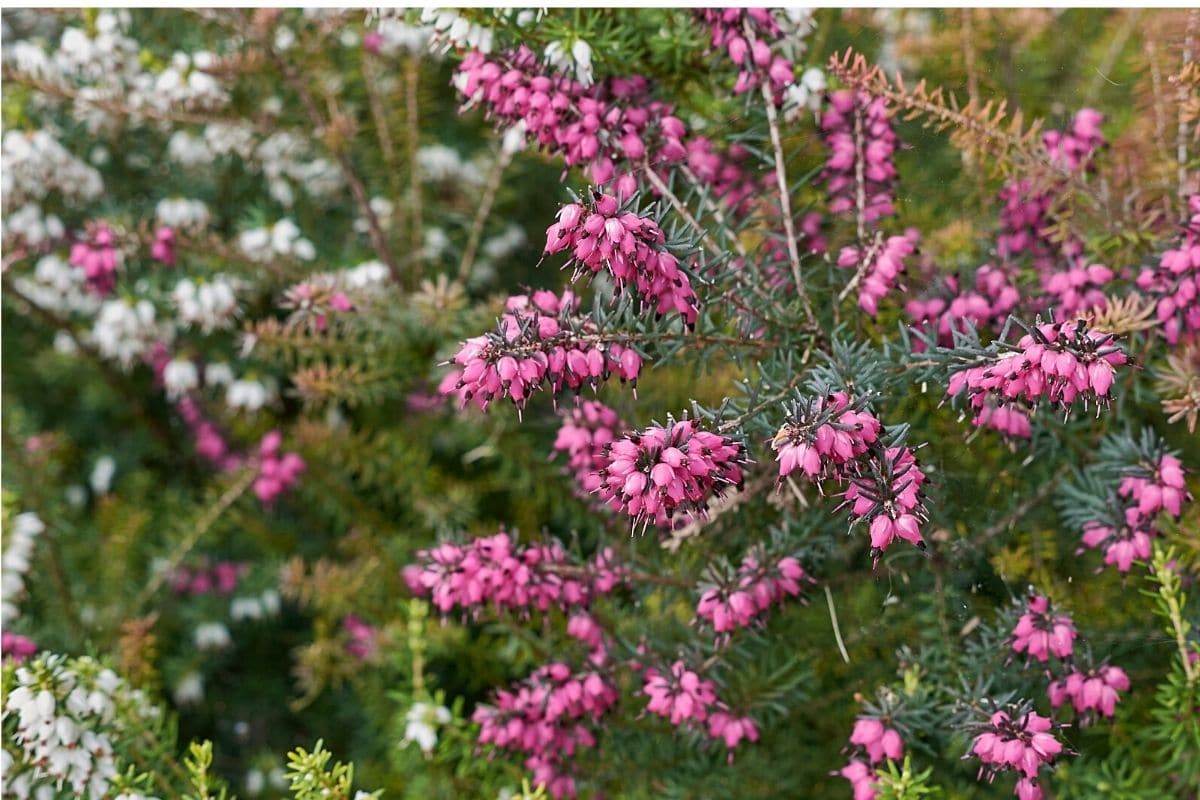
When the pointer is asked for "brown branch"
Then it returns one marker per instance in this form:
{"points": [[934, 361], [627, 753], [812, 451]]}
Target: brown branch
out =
{"points": [[412, 110], [501, 162]]}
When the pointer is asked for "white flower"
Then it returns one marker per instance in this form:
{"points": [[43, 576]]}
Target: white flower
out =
{"points": [[436, 243], [245, 608], [219, 374], [188, 150], [805, 93], [123, 331], [255, 782], [28, 223], [182, 213], [421, 724], [248, 395], [582, 52], [16, 560], [34, 164], [211, 636], [190, 689], [102, 474], [180, 376], [211, 306]]}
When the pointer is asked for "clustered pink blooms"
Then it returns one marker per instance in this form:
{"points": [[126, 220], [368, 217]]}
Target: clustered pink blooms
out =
{"points": [[591, 126], [986, 306], [548, 716], [1023, 744], [823, 435], [1141, 497], [221, 578], [887, 495], [759, 584], [1175, 283], [586, 430], [745, 35], [1078, 288], [277, 471], [1059, 362], [858, 130], [878, 266], [362, 637], [1026, 212], [878, 742], [1075, 149], [727, 177], [536, 343], [162, 249], [17, 647], [1091, 691], [656, 474], [601, 237], [1040, 634], [209, 441], [583, 627], [99, 258], [1008, 420], [680, 696], [495, 571]]}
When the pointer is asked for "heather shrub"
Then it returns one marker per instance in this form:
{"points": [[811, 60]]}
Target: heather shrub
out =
{"points": [[626, 403]]}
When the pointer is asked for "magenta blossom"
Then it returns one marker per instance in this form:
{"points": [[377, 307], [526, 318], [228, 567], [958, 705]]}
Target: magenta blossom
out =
{"points": [[16, 647], [1096, 690], [680, 696], [878, 267], [1040, 634], [1022, 744], [752, 592], [858, 131], [824, 435], [99, 259], [277, 471]]}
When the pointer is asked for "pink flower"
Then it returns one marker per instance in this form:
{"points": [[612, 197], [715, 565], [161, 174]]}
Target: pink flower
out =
{"points": [[878, 267], [854, 124], [1040, 633], [660, 472], [750, 595], [679, 696], [362, 644], [1097, 690], [823, 435], [601, 237], [879, 741], [862, 779], [1023, 744], [888, 495], [99, 259], [277, 472], [538, 342], [20, 648], [163, 247]]}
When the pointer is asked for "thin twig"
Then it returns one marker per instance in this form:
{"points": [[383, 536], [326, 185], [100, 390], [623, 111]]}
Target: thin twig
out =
{"points": [[357, 189], [499, 164], [206, 521], [412, 122], [1181, 151], [785, 202], [657, 182], [837, 630]]}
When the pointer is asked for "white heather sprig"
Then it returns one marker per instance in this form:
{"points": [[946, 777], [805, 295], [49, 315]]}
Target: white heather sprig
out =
{"points": [[124, 330], [35, 164], [57, 286], [68, 714], [182, 213], [281, 239], [209, 306], [18, 553]]}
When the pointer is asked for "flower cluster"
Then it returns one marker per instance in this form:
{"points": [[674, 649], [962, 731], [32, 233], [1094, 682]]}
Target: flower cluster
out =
{"points": [[210, 443], [1022, 743], [747, 597], [878, 267], [680, 695], [601, 237], [547, 718], [887, 495], [221, 578], [125, 331], [494, 570], [16, 647], [277, 471], [1075, 149], [99, 259], [313, 300], [18, 555], [1140, 498], [1174, 283], [362, 637], [1076, 289], [858, 130], [1058, 362], [421, 723], [987, 305], [661, 472], [878, 742], [536, 343], [65, 713], [162, 249], [823, 435], [208, 305], [1091, 691], [586, 430], [1040, 634], [745, 35]]}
